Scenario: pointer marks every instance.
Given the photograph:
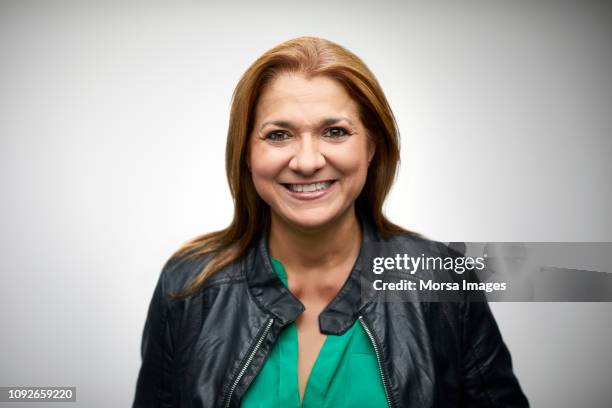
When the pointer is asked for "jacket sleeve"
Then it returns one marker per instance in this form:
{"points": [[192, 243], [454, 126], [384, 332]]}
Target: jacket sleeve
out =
{"points": [[154, 383], [489, 380]]}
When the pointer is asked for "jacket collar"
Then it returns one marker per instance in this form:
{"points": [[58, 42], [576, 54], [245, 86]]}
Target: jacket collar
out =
{"points": [[272, 295]]}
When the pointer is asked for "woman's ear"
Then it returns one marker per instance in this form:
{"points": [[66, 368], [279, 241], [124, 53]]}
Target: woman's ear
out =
{"points": [[371, 149]]}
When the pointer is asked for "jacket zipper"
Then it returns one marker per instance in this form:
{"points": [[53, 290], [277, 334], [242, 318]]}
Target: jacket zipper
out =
{"points": [[246, 364], [378, 358]]}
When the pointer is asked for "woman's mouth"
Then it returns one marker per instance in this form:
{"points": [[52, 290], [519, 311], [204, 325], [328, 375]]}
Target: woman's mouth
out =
{"points": [[309, 191]]}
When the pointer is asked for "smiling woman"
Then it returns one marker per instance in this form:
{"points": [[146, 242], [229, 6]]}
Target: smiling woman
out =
{"points": [[307, 166], [270, 311]]}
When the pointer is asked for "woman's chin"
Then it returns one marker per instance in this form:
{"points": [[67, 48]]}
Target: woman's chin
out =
{"points": [[311, 223], [311, 219]]}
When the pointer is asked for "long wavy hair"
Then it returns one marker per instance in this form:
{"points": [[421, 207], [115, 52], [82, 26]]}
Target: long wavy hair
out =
{"points": [[310, 56]]}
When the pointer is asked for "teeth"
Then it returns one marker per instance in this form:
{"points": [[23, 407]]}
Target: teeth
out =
{"points": [[308, 188]]}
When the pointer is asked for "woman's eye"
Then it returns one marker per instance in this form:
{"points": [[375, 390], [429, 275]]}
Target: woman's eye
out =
{"points": [[277, 136], [336, 132]]}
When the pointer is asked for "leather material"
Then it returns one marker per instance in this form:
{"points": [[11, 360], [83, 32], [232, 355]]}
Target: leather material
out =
{"points": [[198, 350]]}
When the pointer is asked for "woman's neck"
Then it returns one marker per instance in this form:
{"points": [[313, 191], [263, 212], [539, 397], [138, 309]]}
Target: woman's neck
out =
{"points": [[316, 249]]}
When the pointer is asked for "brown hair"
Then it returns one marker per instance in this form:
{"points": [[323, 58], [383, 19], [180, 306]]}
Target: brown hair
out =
{"points": [[310, 56]]}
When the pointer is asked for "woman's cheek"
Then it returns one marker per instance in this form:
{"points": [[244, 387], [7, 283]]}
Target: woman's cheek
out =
{"points": [[268, 163], [350, 161]]}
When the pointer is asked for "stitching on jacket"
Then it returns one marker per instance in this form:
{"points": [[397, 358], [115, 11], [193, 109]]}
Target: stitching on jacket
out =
{"points": [[223, 281], [475, 352], [163, 309]]}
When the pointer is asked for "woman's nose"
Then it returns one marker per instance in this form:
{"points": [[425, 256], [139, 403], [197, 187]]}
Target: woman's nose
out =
{"points": [[307, 158]]}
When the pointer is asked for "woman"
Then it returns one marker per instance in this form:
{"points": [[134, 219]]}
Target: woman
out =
{"points": [[271, 311]]}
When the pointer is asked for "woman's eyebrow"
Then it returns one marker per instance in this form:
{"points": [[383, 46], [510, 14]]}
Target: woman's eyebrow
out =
{"points": [[324, 122]]}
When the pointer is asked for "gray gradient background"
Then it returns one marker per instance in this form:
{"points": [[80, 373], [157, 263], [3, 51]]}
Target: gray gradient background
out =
{"points": [[113, 119]]}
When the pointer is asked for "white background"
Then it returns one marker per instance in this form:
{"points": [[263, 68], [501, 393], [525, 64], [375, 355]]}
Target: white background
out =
{"points": [[113, 121]]}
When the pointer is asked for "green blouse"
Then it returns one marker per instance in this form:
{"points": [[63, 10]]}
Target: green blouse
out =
{"points": [[345, 373]]}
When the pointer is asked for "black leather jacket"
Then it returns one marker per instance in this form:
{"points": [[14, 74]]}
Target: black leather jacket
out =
{"points": [[204, 351]]}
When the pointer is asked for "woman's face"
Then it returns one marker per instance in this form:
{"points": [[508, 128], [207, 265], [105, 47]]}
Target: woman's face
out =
{"points": [[309, 151]]}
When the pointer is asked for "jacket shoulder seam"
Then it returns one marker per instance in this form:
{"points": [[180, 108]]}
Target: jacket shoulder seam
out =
{"points": [[474, 351]]}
